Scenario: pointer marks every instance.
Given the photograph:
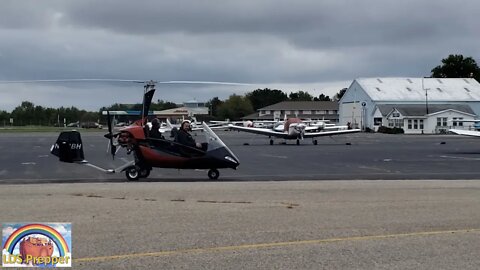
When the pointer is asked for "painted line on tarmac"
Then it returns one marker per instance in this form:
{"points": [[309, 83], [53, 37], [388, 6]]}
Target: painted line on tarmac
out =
{"points": [[269, 245]]}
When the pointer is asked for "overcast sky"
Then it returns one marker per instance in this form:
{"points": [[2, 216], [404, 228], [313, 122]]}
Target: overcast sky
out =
{"points": [[315, 46]]}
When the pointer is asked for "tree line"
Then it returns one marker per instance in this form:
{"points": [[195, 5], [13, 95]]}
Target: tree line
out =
{"points": [[235, 107]]}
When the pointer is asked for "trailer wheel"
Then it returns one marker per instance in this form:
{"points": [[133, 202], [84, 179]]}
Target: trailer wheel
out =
{"points": [[213, 174], [132, 173]]}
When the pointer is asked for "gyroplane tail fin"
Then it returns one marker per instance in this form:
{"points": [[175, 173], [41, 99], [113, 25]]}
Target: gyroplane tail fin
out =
{"points": [[69, 147]]}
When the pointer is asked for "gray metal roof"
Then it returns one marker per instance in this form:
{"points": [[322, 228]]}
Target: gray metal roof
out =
{"points": [[413, 89], [302, 105], [420, 109], [255, 116]]}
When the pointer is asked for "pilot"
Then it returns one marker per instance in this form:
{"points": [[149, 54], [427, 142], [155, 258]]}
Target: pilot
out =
{"points": [[184, 137], [155, 130]]}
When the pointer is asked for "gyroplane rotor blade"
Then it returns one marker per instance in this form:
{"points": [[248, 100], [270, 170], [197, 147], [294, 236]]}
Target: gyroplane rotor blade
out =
{"points": [[73, 80], [148, 82]]}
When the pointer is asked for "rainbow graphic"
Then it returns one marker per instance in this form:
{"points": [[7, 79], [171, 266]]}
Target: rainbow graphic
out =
{"points": [[42, 229]]}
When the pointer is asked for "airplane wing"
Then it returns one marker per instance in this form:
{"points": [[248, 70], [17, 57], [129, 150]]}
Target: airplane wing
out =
{"points": [[329, 133], [261, 131], [464, 121], [332, 127], [466, 132]]}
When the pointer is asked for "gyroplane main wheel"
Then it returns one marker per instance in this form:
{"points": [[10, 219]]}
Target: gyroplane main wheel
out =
{"points": [[213, 174], [144, 172], [132, 173]]}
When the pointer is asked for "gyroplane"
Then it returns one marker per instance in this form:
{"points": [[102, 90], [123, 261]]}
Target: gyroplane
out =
{"points": [[148, 152]]}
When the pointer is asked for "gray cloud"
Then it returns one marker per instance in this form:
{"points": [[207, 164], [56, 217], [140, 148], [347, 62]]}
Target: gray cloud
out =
{"points": [[294, 44]]}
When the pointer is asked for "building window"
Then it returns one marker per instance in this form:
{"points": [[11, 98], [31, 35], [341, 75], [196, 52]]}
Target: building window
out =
{"points": [[415, 124], [377, 121], [395, 123], [456, 123], [396, 114], [441, 121]]}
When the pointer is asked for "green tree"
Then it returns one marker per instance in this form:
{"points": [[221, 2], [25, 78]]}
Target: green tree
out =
{"points": [[300, 96], [457, 66], [24, 114], [340, 94], [4, 118], [213, 105], [162, 105], [235, 107], [264, 97], [322, 97]]}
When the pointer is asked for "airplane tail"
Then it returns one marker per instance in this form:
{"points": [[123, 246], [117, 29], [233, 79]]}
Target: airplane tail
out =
{"points": [[69, 147]]}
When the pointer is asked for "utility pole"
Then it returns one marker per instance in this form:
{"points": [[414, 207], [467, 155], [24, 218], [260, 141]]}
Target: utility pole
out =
{"points": [[426, 95]]}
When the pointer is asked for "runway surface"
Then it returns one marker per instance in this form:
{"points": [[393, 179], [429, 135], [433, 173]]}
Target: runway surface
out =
{"points": [[26, 159], [260, 225], [261, 216]]}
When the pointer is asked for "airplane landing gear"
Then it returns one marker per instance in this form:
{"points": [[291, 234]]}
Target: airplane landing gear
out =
{"points": [[144, 172], [271, 142], [298, 142], [315, 142], [213, 174], [132, 173]]}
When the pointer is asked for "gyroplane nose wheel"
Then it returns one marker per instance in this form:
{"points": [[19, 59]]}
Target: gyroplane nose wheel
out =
{"points": [[213, 174], [132, 173]]}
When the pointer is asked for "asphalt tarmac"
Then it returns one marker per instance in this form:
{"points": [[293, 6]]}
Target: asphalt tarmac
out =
{"points": [[25, 158], [260, 225], [279, 210]]}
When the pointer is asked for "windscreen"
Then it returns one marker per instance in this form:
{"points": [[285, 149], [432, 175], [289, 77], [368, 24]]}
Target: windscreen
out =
{"points": [[214, 141]]}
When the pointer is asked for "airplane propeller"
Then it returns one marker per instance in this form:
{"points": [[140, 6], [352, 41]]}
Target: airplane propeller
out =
{"points": [[109, 135]]}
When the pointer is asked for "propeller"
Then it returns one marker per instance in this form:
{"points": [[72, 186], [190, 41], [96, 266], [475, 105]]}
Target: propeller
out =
{"points": [[109, 135]]}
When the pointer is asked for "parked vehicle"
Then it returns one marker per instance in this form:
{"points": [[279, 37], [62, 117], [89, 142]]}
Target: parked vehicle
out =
{"points": [[91, 125], [74, 124]]}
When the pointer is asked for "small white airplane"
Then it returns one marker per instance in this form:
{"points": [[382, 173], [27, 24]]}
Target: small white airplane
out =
{"points": [[246, 123], [292, 129], [464, 132]]}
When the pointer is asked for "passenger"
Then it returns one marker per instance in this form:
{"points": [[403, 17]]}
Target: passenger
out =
{"points": [[184, 137], [155, 130]]}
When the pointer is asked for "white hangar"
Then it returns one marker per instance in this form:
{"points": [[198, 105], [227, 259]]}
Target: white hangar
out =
{"points": [[418, 105]]}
